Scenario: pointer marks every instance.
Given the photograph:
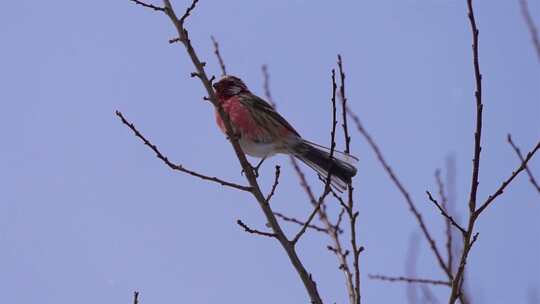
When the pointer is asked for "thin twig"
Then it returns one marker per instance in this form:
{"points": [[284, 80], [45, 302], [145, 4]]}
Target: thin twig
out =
{"points": [[255, 231], [408, 280], [327, 187], [531, 26], [135, 297], [402, 190], [151, 6], [175, 166], [299, 222], [274, 186], [500, 190], [266, 85], [353, 215], [218, 55], [448, 223], [446, 215], [518, 152], [308, 221], [343, 98]]}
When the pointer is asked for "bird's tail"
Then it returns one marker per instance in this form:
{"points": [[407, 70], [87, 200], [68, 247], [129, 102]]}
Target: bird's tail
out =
{"points": [[342, 166]]}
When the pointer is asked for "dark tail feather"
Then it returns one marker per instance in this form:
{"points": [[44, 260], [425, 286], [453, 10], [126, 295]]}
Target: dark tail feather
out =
{"points": [[341, 166]]}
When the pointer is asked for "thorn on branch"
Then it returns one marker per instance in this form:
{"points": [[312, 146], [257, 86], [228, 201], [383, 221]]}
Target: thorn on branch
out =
{"points": [[254, 231]]}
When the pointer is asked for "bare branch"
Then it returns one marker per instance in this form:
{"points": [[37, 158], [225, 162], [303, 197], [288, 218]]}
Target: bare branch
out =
{"points": [[297, 221], [518, 152], [500, 190], [443, 212], [175, 166], [401, 189], [353, 215], [448, 223], [408, 280], [151, 6], [136, 297], [531, 26], [266, 77], [254, 231], [218, 55], [183, 37], [186, 14], [344, 105], [274, 186], [457, 281], [310, 218]]}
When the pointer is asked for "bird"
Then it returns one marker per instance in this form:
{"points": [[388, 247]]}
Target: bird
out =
{"points": [[262, 132]]}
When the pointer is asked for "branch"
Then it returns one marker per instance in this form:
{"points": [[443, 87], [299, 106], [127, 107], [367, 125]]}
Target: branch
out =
{"points": [[266, 77], [518, 152], [274, 186], [445, 207], [255, 190], [296, 221], [218, 55], [136, 297], [401, 189], [254, 231], [151, 6], [443, 212], [175, 166], [408, 280], [530, 25], [500, 190], [457, 281], [310, 218], [327, 187], [353, 215]]}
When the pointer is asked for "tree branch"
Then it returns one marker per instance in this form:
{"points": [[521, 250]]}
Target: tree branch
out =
{"points": [[500, 190], [254, 231], [175, 166], [402, 190], [530, 25], [218, 55], [298, 222], [151, 6], [135, 297], [443, 212], [408, 280], [518, 152], [274, 186], [353, 215], [183, 37]]}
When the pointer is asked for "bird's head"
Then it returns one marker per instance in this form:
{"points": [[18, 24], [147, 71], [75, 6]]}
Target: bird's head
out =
{"points": [[229, 86]]}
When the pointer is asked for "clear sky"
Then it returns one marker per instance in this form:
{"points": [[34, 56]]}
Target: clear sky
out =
{"points": [[88, 214]]}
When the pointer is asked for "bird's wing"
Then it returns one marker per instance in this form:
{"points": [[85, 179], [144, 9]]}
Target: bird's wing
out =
{"points": [[262, 110]]}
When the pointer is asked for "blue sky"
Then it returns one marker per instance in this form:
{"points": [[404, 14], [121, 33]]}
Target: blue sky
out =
{"points": [[88, 214]]}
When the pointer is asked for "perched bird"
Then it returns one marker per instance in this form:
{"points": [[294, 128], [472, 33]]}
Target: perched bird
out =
{"points": [[263, 133]]}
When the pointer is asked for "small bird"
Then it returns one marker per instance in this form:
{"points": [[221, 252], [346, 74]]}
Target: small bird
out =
{"points": [[263, 132]]}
